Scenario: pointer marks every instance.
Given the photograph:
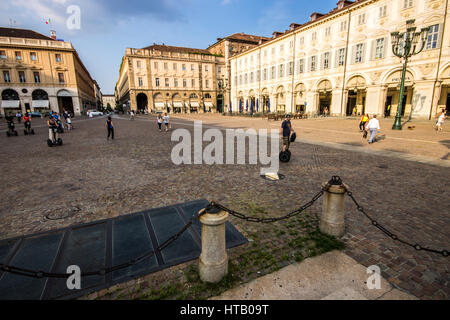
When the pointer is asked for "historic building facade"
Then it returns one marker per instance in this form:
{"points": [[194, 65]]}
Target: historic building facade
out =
{"points": [[343, 60], [228, 47], [39, 73], [109, 99], [162, 78]]}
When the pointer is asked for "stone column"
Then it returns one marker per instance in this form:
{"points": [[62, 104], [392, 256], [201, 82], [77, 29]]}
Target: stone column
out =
{"points": [[213, 261], [332, 219]]}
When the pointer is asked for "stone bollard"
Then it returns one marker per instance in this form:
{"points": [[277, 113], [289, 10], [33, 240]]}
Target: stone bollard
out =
{"points": [[332, 220], [213, 261]]}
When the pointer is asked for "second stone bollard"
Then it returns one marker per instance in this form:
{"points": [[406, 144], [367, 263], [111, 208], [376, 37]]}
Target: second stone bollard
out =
{"points": [[213, 261], [332, 220]]}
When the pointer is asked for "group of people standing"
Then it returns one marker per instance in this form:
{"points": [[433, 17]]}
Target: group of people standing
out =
{"points": [[160, 119]]}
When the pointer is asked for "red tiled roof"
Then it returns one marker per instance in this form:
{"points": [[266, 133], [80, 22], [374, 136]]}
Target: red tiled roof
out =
{"points": [[22, 33], [246, 37], [163, 47]]}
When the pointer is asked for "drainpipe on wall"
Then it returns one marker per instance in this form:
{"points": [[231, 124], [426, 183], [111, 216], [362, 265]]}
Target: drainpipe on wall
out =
{"points": [[439, 62]]}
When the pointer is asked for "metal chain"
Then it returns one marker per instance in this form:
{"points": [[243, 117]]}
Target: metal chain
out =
{"points": [[270, 220], [103, 271], [393, 236]]}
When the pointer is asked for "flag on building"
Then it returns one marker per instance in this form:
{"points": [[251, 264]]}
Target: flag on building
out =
{"points": [[47, 21]]}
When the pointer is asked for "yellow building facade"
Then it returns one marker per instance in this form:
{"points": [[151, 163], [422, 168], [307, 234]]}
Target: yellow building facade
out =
{"points": [[42, 74], [163, 78]]}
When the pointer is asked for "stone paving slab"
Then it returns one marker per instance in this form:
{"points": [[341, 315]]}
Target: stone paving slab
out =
{"points": [[331, 276]]}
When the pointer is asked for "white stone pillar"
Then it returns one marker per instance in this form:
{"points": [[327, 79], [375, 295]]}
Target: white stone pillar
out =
{"points": [[213, 261], [373, 96], [332, 220], [335, 108]]}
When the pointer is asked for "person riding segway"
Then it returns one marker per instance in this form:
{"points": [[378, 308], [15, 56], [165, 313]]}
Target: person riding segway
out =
{"points": [[11, 128], [27, 124], [53, 139], [285, 154]]}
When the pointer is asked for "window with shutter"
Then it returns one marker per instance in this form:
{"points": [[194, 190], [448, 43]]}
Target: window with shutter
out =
{"points": [[433, 36], [378, 49], [326, 60], [313, 64]]}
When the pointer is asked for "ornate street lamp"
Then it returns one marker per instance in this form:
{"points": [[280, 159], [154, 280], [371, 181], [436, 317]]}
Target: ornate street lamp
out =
{"points": [[405, 45], [223, 86]]}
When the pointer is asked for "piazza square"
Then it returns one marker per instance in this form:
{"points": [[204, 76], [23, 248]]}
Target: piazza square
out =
{"points": [[307, 164]]}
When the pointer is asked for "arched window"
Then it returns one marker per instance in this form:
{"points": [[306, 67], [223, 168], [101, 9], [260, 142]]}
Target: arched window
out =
{"points": [[39, 94], [207, 96], [10, 94], [193, 96]]}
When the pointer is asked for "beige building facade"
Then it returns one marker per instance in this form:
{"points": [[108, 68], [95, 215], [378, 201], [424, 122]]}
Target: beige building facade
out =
{"points": [[109, 99], [39, 73], [162, 78], [342, 61], [228, 47]]}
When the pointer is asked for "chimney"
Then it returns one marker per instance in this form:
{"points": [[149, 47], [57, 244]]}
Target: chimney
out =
{"points": [[343, 3], [53, 34], [276, 34], [292, 26], [315, 16]]}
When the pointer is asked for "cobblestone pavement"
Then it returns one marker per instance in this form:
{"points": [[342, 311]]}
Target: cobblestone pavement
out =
{"points": [[421, 139], [134, 172]]}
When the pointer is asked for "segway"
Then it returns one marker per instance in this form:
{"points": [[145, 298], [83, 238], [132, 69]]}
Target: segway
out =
{"points": [[285, 156], [54, 142], [28, 129], [60, 126], [11, 130]]}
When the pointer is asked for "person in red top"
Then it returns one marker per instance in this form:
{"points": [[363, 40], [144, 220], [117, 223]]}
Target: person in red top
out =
{"points": [[27, 122]]}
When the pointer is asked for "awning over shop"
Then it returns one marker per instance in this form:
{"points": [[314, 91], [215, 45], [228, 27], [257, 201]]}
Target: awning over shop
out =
{"points": [[209, 104], [195, 104], [10, 104], [159, 104], [40, 104], [178, 104]]}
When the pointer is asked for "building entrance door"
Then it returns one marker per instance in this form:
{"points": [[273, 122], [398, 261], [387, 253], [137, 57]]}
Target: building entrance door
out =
{"points": [[447, 106], [388, 106], [351, 103], [220, 103], [65, 103]]}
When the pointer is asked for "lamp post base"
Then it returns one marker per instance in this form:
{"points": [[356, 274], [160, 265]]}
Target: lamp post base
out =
{"points": [[397, 124]]}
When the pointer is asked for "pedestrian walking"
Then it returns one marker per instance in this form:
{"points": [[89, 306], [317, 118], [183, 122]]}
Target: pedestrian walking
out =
{"points": [[387, 113], [69, 123], [354, 111], [440, 121], [131, 115], [159, 121], [362, 123], [110, 128], [166, 121], [373, 126]]}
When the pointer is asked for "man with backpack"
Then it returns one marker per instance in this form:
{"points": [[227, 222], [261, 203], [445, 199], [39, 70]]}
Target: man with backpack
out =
{"points": [[287, 129]]}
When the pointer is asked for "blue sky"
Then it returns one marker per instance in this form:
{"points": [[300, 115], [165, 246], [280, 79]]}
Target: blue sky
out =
{"points": [[110, 26]]}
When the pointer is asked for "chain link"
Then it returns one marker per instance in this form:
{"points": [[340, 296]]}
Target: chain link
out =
{"points": [[103, 271], [393, 236], [242, 216]]}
